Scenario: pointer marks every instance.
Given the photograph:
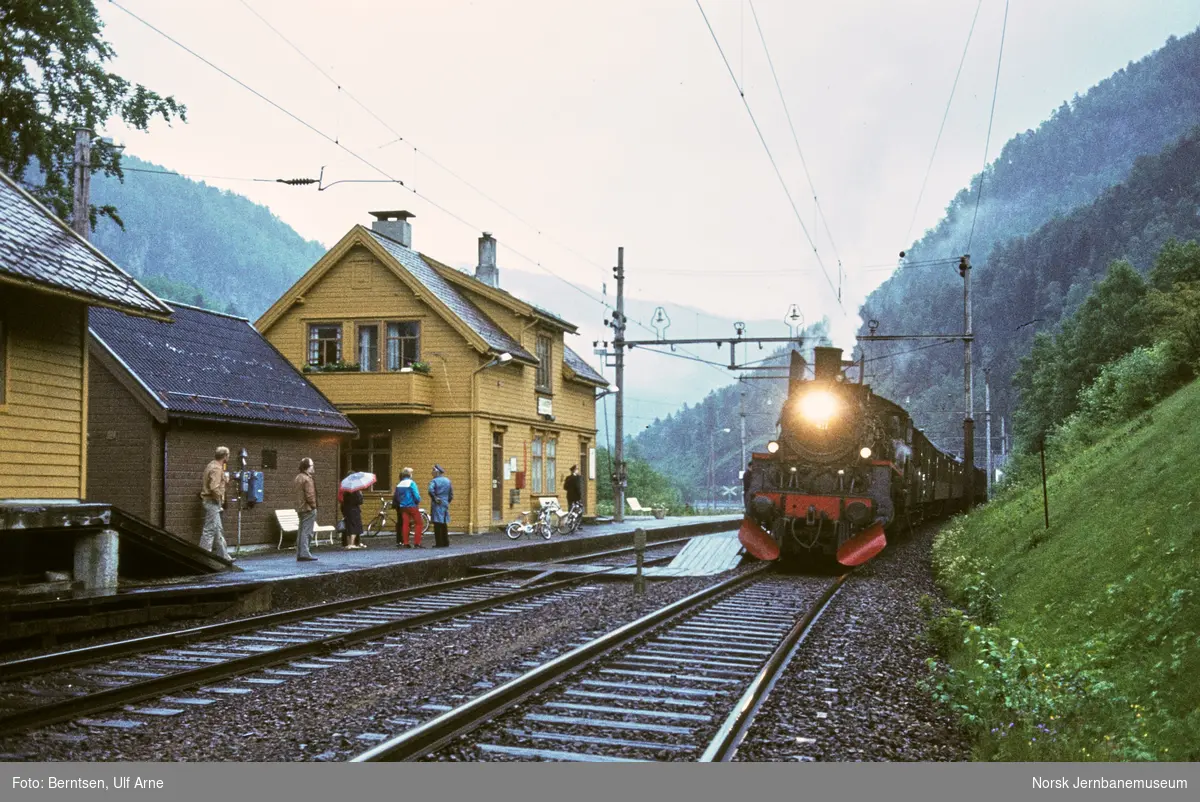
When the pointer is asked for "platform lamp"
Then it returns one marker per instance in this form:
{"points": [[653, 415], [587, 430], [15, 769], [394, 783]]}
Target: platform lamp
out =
{"points": [[243, 461]]}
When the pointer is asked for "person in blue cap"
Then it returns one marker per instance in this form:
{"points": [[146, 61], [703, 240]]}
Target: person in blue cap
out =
{"points": [[441, 493]]}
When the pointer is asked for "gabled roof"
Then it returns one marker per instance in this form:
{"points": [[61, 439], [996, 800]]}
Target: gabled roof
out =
{"points": [[582, 370], [470, 314], [213, 366], [40, 251], [471, 284]]}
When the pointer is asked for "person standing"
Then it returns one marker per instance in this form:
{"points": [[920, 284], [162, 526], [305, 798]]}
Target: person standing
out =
{"points": [[573, 487], [352, 519], [212, 497], [441, 493], [406, 498], [306, 505]]}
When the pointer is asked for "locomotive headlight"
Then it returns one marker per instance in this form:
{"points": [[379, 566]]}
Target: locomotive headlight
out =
{"points": [[772, 447], [818, 407], [864, 452]]}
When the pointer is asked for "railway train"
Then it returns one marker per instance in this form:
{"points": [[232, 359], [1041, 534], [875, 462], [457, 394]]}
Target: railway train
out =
{"points": [[846, 467]]}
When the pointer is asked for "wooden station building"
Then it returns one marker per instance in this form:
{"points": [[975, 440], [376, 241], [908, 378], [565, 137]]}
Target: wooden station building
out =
{"points": [[437, 366], [165, 395]]}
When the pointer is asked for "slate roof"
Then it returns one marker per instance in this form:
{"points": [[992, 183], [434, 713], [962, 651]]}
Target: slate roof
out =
{"points": [[208, 365], [38, 248], [448, 294], [582, 369]]}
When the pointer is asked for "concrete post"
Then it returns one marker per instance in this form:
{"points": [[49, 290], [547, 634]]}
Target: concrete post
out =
{"points": [[639, 546], [96, 557]]}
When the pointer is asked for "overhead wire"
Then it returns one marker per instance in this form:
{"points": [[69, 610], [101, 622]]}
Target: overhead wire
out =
{"points": [[942, 127], [376, 168], [991, 117], [795, 138], [770, 156]]}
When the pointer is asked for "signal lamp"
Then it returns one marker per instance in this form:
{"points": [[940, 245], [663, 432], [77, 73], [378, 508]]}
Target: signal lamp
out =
{"points": [[865, 452], [772, 447]]}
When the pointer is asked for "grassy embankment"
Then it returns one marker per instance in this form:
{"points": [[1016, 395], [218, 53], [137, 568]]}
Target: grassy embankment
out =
{"points": [[1080, 642]]}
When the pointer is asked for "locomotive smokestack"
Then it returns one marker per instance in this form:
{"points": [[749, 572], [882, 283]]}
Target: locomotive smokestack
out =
{"points": [[796, 371], [828, 363]]}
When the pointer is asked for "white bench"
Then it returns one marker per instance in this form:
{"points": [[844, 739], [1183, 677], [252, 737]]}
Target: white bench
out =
{"points": [[289, 524], [637, 508]]}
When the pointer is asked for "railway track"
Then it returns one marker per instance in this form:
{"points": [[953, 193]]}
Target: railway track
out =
{"points": [[258, 651], [682, 683]]}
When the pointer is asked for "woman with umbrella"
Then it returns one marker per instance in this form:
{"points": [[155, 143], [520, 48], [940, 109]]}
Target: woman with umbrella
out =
{"points": [[351, 497]]}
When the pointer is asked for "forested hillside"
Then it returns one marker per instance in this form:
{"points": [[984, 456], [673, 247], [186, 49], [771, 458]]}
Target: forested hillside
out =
{"points": [[1034, 258], [188, 239]]}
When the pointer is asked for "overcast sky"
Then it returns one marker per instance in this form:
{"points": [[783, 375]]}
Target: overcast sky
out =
{"points": [[617, 123]]}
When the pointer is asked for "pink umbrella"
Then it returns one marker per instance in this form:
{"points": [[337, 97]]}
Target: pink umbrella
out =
{"points": [[358, 481]]}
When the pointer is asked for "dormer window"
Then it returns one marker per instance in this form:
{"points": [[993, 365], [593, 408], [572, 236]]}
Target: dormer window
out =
{"points": [[544, 352]]}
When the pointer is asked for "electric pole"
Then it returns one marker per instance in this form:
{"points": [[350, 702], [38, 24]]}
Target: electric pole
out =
{"points": [[964, 269], [80, 212], [619, 476], [987, 422], [742, 414]]}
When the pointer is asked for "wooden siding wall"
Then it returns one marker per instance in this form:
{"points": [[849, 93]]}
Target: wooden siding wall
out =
{"points": [[359, 289], [43, 451], [467, 406], [124, 448], [190, 446]]}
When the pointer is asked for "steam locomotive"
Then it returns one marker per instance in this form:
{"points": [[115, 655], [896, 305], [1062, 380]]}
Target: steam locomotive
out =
{"points": [[846, 467]]}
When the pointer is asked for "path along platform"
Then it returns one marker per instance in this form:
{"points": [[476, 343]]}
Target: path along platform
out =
{"points": [[279, 580]]}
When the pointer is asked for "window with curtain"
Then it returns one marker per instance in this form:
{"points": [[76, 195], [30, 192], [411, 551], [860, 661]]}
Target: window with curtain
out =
{"points": [[535, 466], [368, 348], [551, 467], [403, 344], [372, 452], [544, 352], [324, 343]]}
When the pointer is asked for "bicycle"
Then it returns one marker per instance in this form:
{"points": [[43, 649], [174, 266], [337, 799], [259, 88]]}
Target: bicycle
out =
{"points": [[570, 520], [537, 526], [379, 525]]}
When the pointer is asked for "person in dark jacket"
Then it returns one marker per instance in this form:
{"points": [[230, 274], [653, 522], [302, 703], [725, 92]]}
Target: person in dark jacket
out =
{"points": [[441, 493], [573, 486], [406, 498], [352, 520]]}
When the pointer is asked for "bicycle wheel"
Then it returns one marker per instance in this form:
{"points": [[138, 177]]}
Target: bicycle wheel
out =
{"points": [[424, 521], [514, 530], [546, 529], [375, 527]]}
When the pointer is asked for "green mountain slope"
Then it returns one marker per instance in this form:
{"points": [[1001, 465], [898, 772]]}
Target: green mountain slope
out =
{"points": [[200, 239], [1084, 148], [1095, 619]]}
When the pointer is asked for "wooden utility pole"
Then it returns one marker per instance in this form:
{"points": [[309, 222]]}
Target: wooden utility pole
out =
{"points": [[80, 212], [619, 475], [964, 268]]}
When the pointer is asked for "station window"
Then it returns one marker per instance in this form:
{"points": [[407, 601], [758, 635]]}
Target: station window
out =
{"points": [[324, 343], [371, 451], [368, 347], [403, 344], [535, 466], [544, 375]]}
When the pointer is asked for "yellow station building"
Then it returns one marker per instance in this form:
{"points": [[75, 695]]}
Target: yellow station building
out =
{"points": [[438, 366]]}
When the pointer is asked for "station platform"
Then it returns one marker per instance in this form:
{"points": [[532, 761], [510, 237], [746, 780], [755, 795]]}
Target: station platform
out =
{"points": [[274, 580]]}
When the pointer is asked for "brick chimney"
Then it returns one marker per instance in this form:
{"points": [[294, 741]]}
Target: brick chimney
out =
{"points": [[394, 226], [487, 272]]}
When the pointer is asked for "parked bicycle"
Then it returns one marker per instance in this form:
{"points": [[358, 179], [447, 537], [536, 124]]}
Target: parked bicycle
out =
{"points": [[531, 524], [570, 520], [380, 525]]}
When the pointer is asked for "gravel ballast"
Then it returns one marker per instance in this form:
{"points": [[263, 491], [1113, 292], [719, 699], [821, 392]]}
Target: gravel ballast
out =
{"points": [[852, 692]]}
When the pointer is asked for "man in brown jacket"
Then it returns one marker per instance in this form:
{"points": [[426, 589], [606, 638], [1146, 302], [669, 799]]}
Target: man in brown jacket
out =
{"points": [[212, 496], [306, 506]]}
